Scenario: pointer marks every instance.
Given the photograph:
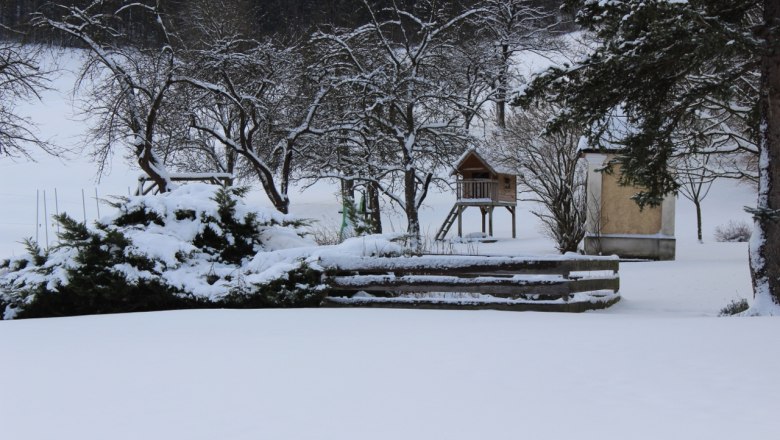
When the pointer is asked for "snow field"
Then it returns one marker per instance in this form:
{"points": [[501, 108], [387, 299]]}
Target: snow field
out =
{"points": [[389, 374]]}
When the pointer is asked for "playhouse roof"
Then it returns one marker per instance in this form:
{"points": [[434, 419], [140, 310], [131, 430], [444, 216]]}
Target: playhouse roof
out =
{"points": [[493, 168]]}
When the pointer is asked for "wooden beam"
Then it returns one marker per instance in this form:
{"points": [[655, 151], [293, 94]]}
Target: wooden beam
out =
{"points": [[512, 209], [460, 221], [430, 265], [498, 287], [490, 220], [571, 307]]}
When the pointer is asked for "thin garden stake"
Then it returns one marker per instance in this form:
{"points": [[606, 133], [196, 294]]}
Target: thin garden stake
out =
{"points": [[46, 219], [97, 203], [37, 213], [84, 205], [57, 210]]}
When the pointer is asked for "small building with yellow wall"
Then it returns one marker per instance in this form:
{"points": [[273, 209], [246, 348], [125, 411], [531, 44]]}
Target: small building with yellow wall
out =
{"points": [[614, 222]]}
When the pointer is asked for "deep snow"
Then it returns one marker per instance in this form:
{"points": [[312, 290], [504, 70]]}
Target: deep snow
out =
{"points": [[389, 374]]}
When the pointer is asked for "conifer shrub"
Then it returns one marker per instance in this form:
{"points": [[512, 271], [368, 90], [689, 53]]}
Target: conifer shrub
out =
{"points": [[736, 306], [192, 248]]}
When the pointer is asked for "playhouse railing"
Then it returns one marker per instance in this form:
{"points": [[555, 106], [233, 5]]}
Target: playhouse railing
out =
{"points": [[477, 189]]}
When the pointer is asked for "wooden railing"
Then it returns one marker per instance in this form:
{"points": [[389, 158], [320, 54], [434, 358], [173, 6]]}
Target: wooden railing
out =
{"points": [[508, 283], [477, 189]]}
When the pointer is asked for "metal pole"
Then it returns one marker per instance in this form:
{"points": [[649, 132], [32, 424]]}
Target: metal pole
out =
{"points": [[46, 218], [57, 210], [97, 203], [37, 213], [84, 205]]}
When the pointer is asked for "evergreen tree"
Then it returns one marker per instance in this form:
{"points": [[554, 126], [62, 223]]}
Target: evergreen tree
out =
{"points": [[660, 65]]}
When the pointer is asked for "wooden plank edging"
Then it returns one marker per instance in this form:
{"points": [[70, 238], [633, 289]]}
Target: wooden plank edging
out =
{"points": [[508, 283], [568, 307]]}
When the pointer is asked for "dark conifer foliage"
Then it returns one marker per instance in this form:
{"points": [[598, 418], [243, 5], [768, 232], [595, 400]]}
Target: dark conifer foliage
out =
{"points": [[93, 280], [660, 65]]}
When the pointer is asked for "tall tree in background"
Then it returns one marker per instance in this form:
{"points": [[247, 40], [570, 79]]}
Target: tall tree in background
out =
{"points": [[511, 26], [664, 62]]}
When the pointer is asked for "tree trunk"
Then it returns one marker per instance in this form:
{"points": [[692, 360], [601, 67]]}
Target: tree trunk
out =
{"points": [[347, 191], [765, 243], [503, 86], [278, 199], [284, 184], [373, 207], [149, 164], [412, 214], [231, 164], [697, 203]]}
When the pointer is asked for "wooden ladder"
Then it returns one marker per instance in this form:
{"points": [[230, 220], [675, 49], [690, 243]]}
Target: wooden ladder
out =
{"points": [[445, 227]]}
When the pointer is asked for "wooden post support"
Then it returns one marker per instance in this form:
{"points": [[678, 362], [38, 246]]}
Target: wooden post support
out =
{"points": [[513, 210], [483, 211], [490, 220], [460, 221]]}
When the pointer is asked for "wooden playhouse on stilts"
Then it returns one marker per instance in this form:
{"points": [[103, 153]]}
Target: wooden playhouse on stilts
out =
{"points": [[484, 185]]}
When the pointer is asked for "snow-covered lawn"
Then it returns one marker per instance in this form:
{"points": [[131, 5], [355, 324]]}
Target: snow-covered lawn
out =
{"points": [[389, 374]]}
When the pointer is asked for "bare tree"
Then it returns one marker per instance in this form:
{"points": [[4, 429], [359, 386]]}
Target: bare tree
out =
{"points": [[21, 78], [259, 102], [512, 26], [128, 82], [695, 176], [471, 64], [394, 69], [547, 166]]}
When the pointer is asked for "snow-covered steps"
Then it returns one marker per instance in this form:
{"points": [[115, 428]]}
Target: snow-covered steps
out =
{"points": [[557, 283]]}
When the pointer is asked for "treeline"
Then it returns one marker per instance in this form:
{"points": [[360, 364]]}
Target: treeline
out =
{"points": [[282, 18]]}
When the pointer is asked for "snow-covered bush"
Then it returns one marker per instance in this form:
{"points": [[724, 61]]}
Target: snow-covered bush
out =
{"points": [[738, 231], [197, 246]]}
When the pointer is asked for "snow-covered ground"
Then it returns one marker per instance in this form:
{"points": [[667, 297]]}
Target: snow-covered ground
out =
{"points": [[659, 364], [348, 374]]}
